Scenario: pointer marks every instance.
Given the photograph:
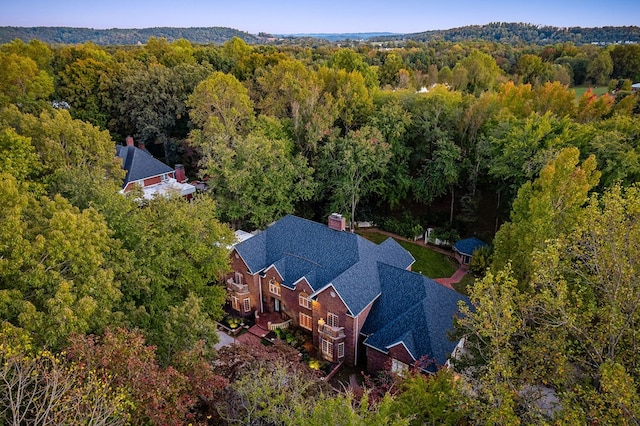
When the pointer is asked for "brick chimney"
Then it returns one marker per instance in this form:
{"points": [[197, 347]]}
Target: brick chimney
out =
{"points": [[180, 175], [129, 140], [337, 222]]}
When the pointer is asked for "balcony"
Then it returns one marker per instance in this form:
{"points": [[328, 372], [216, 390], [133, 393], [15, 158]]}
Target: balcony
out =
{"points": [[329, 332], [274, 326], [237, 287]]}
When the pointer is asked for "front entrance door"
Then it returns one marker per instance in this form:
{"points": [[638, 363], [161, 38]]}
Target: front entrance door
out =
{"points": [[276, 305]]}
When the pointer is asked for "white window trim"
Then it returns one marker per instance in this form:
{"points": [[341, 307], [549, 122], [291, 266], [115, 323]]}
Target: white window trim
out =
{"points": [[239, 278], [340, 350], [305, 321], [235, 303], [326, 347], [304, 301], [274, 287], [332, 320], [246, 304]]}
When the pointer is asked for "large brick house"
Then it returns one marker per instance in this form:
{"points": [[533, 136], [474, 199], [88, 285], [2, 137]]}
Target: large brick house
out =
{"points": [[152, 175], [359, 300]]}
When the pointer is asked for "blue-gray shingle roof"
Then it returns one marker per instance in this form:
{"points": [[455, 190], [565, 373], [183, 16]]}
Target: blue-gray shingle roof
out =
{"points": [[415, 311], [302, 248], [468, 245], [139, 164]]}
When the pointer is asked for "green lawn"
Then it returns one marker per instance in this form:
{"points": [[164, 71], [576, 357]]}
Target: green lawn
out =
{"points": [[463, 286], [598, 90], [428, 262]]}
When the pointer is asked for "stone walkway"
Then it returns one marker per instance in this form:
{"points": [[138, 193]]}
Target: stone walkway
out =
{"points": [[453, 279]]}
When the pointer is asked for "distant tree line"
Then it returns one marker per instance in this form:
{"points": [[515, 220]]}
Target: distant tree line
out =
{"points": [[501, 32], [124, 36], [518, 32]]}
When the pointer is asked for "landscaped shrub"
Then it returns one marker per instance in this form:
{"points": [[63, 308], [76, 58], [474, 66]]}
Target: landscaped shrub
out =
{"points": [[406, 226], [480, 261], [448, 236]]}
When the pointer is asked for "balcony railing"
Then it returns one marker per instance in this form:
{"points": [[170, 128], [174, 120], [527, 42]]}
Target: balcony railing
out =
{"points": [[273, 326], [237, 287], [333, 333]]}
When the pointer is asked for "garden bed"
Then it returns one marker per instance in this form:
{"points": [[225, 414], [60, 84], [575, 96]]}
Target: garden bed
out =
{"points": [[232, 325]]}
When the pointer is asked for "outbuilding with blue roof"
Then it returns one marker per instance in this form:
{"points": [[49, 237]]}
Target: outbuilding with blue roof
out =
{"points": [[464, 249]]}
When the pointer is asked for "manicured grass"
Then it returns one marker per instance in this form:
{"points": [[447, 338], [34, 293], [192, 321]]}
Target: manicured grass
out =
{"points": [[465, 284], [428, 262], [598, 90]]}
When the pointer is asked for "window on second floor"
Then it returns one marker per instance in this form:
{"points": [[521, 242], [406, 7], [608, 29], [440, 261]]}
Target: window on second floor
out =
{"points": [[304, 300], [239, 278], [332, 320], [274, 287]]}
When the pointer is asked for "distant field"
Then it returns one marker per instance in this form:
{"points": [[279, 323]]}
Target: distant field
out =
{"points": [[598, 90]]}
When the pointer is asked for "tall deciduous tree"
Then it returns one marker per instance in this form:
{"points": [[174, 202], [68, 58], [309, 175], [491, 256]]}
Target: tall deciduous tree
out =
{"points": [[23, 84], [221, 107], [352, 168], [600, 69], [55, 277], [482, 72], [43, 388], [158, 395], [393, 121], [490, 331], [291, 91], [545, 208], [258, 178], [352, 97], [350, 61]]}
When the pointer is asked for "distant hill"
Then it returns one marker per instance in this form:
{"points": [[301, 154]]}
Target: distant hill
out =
{"points": [[341, 36], [118, 36], [525, 33], [496, 31]]}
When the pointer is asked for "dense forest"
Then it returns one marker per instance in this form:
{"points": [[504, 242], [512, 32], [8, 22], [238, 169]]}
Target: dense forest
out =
{"points": [[108, 303]]}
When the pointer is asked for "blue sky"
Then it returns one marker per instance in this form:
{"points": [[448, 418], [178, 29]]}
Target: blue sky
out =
{"points": [[328, 16]]}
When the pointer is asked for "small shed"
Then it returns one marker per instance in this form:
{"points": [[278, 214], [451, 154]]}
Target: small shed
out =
{"points": [[464, 249]]}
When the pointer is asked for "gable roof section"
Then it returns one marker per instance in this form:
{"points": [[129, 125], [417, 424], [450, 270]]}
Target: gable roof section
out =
{"points": [[303, 248], [468, 245], [139, 164], [415, 311]]}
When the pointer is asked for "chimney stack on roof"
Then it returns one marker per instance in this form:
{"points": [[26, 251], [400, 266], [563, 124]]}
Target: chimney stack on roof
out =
{"points": [[129, 141], [337, 222], [180, 175]]}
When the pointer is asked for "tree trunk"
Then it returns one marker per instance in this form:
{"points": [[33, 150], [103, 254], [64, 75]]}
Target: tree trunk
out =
{"points": [[452, 198], [497, 212]]}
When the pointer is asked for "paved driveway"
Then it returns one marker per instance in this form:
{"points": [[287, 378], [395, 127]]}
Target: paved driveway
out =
{"points": [[225, 339]]}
